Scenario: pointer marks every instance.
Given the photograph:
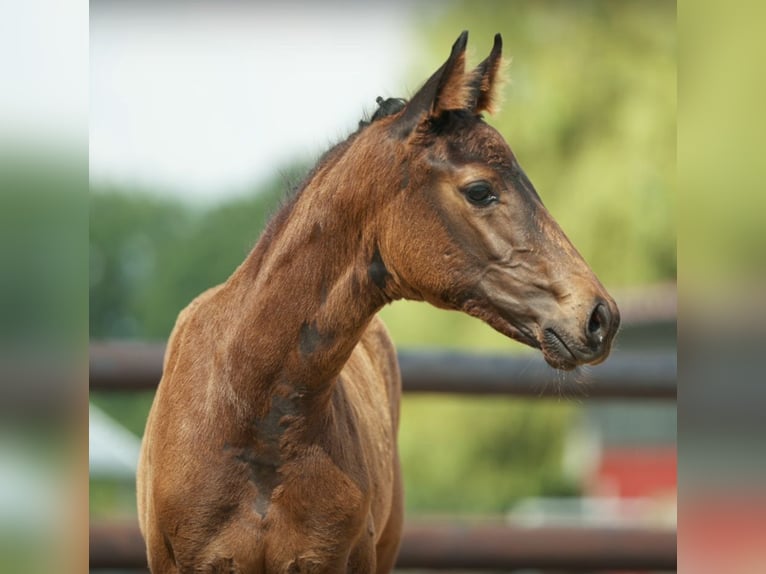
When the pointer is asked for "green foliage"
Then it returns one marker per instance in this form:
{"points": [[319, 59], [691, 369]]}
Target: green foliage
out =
{"points": [[111, 500], [42, 279], [127, 231], [481, 455], [151, 256], [419, 325]]}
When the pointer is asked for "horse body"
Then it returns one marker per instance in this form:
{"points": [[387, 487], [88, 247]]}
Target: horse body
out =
{"points": [[271, 444], [309, 482]]}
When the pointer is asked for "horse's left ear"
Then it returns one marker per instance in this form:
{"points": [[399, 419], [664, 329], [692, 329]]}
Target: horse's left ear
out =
{"points": [[449, 88], [487, 79]]}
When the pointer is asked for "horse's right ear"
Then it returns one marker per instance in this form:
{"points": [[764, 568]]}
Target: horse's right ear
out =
{"points": [[449, 88]]}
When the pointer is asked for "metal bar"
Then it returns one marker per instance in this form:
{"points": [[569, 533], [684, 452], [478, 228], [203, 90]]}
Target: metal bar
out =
{"points": [[497, 547], [125, 365], [623, 375], [135, 366], [117, 545], [477, 546]]}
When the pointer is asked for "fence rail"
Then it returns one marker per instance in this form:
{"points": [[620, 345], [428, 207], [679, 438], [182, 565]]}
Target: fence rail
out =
{"points": [[475, 546], [135, 366]]}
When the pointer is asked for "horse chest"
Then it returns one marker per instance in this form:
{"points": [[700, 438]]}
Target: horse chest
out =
{"points": [[318, 518]]}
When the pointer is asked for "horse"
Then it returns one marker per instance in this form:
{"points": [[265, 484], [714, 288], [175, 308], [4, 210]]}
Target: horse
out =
{"points": [[271, 443]]}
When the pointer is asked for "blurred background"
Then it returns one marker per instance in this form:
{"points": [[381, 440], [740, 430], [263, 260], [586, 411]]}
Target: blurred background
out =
{"points": [[202, 115]]}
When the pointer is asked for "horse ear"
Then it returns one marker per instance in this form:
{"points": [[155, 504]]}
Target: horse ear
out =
{"points": [[449, 88], [487, 81]]}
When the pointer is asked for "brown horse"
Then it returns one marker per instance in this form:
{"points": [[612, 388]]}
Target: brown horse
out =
{"points": [[271, 444]]}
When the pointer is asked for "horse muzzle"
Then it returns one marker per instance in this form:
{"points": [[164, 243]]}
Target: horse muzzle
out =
{"points": [[566, 344]]}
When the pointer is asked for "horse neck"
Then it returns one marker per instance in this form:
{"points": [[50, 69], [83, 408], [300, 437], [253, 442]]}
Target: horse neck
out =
{"points": [[305, 295]]}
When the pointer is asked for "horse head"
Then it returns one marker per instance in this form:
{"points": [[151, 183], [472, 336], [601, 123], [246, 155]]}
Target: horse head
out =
{"points": [[466, 230]]}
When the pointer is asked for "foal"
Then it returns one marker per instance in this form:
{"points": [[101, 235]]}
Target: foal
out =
{"points": [[271, 444]]}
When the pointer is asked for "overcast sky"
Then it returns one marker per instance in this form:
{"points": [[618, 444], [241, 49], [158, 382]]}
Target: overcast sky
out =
{"points": [[201, 100]]}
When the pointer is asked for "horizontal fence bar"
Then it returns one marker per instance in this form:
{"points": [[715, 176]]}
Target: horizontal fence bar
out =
{"points": [[499, 547], [116, 545], [475, 546], [136, 366], [623, 375]]}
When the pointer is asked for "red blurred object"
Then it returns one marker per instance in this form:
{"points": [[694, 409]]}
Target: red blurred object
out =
{"points": [[635, 472], [722, 531]]}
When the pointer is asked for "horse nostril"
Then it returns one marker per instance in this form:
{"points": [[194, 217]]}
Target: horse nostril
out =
{"points": [[598, 324]]}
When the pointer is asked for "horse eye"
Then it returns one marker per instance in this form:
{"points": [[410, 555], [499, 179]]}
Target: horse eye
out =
{"points": [[480, 194]]}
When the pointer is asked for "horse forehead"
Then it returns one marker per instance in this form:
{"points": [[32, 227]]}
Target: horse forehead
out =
{"points": [[479, 143]]}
